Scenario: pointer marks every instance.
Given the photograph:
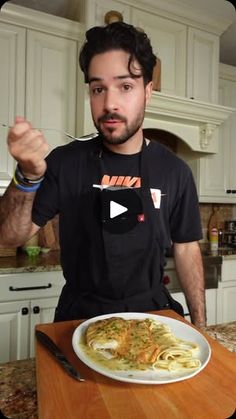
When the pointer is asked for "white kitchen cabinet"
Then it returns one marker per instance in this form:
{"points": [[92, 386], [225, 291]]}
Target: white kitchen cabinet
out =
{"points": [[12, 88], [179, 296], [226, 307], [211, 305], [187, 45], [172, 284], [215, 174], [39, 77], [42, 310], [226, 311], [14, 330], [202, 65], [168, 39], [51, 85], [26, 299]]}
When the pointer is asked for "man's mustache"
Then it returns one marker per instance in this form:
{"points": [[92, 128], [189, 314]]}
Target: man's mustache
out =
{"points": [[109, 116]]}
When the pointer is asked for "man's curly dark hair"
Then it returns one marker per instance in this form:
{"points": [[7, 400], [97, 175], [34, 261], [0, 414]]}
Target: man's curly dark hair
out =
{"points": [[119, 36]]}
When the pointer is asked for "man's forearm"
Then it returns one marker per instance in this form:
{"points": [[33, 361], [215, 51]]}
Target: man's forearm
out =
{"points": [[189, 267], [15, 216]]}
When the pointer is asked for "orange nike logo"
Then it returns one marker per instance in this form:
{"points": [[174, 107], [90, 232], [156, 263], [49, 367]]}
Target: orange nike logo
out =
{"points": [[127, 181]]}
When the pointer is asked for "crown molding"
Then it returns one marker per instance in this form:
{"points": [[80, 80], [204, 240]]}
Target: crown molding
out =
{"points": [[214, 15], [34, 19]]}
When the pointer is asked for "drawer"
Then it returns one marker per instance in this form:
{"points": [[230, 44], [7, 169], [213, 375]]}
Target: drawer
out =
{"points": [[29, 285]]}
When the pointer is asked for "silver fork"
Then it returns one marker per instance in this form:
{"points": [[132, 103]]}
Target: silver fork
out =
{"points": [[83, 138]]}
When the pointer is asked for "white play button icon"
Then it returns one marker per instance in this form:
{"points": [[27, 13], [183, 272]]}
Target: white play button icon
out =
{"points": [[116, 209]]}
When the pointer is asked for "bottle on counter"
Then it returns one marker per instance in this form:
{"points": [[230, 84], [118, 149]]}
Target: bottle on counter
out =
{"points": [[214, 239]]}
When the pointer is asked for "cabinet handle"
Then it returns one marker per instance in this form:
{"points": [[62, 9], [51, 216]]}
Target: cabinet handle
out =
{"points": [[233, 191], [24, 311], [36, 309], [228, 191], [40, 287]]}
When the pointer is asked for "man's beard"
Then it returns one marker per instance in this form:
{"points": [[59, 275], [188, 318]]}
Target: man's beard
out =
{"points": [[129, 130]]}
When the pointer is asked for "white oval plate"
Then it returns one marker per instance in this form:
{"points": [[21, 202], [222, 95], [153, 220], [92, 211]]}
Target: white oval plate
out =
{"points": [[178, 328]]}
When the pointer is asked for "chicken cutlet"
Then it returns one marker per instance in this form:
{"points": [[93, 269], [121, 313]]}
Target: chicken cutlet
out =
{"points": [[107, 334], [131, 340]]}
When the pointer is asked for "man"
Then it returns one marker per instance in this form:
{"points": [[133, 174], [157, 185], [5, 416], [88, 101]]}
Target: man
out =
{"points": [[122, 199]]}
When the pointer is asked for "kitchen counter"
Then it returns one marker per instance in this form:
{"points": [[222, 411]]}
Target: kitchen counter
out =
{"points": [[23, 263], [222, 252], [51, 261], [18, 396]]}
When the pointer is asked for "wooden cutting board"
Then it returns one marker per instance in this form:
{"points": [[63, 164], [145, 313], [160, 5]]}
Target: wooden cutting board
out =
{"points": [[210, 394]]}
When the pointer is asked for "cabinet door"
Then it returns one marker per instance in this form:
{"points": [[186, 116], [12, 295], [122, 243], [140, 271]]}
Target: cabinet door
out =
{"points": [[179, 296], [12, 88], [42, 311], [231, 126], [14, 326], [216, 174], [226, 308], [211, 306], [168, 40], [51, 85], [203, 65]]}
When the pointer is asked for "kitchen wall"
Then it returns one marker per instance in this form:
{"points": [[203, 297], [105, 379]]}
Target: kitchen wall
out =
{"points": [[226, 211]]}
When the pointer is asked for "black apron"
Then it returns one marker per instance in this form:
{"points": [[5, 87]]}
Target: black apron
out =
{"points": [[131, 269]]}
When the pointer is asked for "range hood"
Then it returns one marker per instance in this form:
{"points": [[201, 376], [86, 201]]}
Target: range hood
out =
{"points": [[195, 122]]}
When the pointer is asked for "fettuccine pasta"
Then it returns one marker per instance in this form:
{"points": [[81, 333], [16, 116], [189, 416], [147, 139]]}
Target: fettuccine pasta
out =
{"points": [[140, 344]]}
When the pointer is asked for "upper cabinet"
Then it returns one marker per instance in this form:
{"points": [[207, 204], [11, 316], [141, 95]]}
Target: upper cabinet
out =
{"points": [[215, 174], [12, 88], [184, 36], [202, 65], [168, 39], [39, 77], [50, 97]]}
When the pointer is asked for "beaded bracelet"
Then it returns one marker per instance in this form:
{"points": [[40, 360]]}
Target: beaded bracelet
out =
{"points": [[23, 180]]}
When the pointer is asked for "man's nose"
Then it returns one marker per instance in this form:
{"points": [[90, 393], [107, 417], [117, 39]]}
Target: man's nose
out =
{"points": [[111, 101]]}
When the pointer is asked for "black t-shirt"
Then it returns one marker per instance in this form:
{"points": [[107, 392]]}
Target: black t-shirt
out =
{"points": [[91, 258]]}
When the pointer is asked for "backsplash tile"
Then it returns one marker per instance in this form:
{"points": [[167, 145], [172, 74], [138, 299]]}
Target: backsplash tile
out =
{"points": [[227, 211]]}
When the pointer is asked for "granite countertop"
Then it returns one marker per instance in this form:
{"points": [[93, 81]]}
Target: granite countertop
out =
{"points": [[51, 261], [23, 263], [18, 394]]}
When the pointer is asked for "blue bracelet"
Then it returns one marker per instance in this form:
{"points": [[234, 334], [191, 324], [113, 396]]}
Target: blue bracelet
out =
{"points": [[27, 188]]}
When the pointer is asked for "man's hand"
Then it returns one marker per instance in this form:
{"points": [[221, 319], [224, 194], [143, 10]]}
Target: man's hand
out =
{"points": [[29, 148]]}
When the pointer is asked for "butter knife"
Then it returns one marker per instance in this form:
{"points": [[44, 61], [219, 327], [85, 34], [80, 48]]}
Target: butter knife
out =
{"points": [[45, 340]]}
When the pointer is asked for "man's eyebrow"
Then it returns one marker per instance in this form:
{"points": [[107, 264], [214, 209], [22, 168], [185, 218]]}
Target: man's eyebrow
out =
{"points": [[121, 77]]}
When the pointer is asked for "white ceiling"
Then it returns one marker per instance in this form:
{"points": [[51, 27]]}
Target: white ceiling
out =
{"points": [[67, 8]]}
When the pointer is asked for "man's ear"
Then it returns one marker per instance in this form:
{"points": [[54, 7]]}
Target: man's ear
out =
{"points": [[148, 90]]}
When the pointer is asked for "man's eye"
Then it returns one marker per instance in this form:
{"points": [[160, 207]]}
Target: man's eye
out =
{"points": [[127, 87], [97, 90]]}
